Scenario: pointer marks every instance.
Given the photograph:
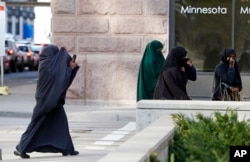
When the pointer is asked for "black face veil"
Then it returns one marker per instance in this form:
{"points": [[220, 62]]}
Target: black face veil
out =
{"points": [[175, 57]]}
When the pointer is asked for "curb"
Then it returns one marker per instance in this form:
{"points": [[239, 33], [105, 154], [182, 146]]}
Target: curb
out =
{"points": [[15, 114]]}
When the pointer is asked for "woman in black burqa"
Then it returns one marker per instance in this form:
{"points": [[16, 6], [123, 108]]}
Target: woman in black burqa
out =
{"points": [[227, 79], [48, 130], [177, 70]]}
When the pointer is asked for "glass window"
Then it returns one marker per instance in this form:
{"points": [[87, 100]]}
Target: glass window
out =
{"points": [[204, 28], [242, 34]]}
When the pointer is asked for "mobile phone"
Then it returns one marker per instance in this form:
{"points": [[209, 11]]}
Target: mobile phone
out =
{"points": [[74, 58]]}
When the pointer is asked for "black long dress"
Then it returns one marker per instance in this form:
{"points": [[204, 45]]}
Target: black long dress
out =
{"points": [[48, 130], [172, 82], [172, 85]]}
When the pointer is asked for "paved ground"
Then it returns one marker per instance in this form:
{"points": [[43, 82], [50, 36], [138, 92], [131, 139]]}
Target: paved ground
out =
{"points": [[95, 130]]}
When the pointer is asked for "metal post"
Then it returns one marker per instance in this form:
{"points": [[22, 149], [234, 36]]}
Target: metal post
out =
{"points": [[2, 32], [233, 24], [2, 71], [171, 25], [1, 154]]}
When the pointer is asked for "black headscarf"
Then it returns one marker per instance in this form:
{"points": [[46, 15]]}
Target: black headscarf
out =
{"points": [[175, 58], [226, 53]]}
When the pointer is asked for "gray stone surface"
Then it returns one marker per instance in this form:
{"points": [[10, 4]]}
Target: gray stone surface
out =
{"points": [[153, 139], [109, 37], [150, 110]]}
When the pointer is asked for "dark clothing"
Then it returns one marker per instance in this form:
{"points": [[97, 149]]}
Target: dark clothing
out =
{"points": [[150, 67], [172, 81], [48, 130], [175, 58], [226, 77], [172, 84]]}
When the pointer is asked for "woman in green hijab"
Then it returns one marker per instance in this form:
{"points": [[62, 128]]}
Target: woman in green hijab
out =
{"points": [[150, 67]]}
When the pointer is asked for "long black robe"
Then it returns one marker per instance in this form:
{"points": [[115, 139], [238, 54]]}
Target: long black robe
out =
{"points": [[172, 82], [48, 130]]}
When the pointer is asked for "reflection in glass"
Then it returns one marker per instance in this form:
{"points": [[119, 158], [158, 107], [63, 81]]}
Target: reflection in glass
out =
{"points": [[242, 34], [204, 28]]}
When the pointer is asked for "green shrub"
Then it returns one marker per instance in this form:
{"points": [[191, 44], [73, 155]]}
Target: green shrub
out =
{"points": [[208, 139], [153, 157]]}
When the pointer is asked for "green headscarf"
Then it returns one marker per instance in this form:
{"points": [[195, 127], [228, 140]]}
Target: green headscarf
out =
{"points": [[150, 68]]}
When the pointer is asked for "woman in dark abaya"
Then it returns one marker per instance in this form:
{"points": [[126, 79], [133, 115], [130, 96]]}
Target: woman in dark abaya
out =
{"points": [[227, 79], [48, 130], [177, 70], [150, 67]]}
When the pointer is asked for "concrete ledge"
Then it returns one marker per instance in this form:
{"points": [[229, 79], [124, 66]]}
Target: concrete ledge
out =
{"points": [[150, 110], [138, 148]]}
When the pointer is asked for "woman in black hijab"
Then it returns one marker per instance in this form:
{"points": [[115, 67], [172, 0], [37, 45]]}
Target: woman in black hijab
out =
{"points": [[48, 130], [177, 70], [227, 78]]}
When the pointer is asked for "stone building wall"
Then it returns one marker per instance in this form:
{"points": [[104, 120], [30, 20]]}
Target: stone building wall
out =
{"points": [[109, 38]]}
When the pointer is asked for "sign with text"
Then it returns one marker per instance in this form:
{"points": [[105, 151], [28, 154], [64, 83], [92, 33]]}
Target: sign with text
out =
{"points": [[206, 27], [2, 28], [239, 153]]}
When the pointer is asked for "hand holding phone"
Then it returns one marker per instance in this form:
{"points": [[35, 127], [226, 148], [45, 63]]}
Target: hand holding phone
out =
{"points": [[189, 63], [231, 62], [74, 58], [72, 63]]}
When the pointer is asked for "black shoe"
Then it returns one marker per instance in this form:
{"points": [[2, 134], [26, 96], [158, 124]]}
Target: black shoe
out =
{"points": [[22, 155], [72, 153]]}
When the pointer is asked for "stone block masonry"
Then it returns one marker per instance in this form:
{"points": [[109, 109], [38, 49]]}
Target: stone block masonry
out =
{"points": [[109, 37]]}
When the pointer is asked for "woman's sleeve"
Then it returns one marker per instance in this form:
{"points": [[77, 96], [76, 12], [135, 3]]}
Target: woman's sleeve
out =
{"points": [[226, 75], [191, 73]]}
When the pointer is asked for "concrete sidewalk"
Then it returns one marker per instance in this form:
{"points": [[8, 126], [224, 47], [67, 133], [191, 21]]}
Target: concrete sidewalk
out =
{"points": [[95, 130]]}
